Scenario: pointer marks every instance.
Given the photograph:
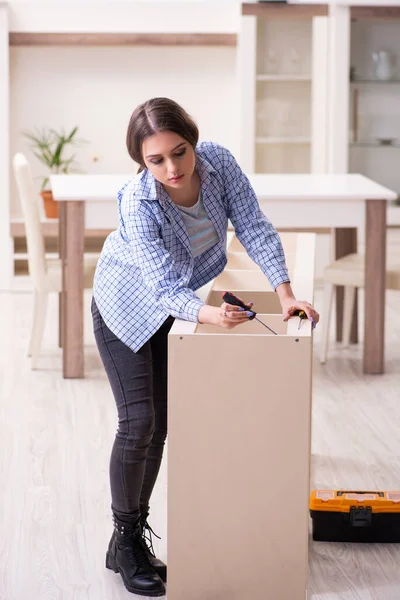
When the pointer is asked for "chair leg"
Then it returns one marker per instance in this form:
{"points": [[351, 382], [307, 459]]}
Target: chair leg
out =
{"points": [[349, 298], [30, 343], [41, 301], [329, 289], [34, 319]]}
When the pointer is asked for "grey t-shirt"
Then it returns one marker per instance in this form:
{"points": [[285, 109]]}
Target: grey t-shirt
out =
{"points": [[200, 229]]}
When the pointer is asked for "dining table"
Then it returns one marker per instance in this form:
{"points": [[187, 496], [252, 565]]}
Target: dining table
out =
{"points": [[343, 203]]}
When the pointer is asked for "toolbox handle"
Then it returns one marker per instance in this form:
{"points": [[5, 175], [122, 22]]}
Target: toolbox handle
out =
{"points": [[380, 494]]}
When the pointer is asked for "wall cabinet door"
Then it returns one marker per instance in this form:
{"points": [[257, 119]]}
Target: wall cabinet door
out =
{"points": [[282, 74]]}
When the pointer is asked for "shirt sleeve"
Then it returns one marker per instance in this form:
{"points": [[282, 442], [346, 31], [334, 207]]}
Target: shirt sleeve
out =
{"points": [[252, 227], [157, 267]]}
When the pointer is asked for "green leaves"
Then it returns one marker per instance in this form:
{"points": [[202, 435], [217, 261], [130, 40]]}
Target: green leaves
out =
{"points": [[48, 145]]}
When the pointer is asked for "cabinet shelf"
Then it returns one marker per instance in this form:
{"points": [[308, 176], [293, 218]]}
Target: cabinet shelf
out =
{"points": [[284, 78], [283, 140], [374, 144], [375, 82]]}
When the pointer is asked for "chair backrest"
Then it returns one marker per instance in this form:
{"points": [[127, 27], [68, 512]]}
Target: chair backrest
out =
{"points": [[30, 209]]}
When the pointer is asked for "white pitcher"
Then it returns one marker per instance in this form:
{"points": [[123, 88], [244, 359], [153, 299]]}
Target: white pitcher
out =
{"points": [[383, 65]]}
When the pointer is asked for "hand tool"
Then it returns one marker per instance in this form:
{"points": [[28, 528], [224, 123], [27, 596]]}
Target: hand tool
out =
{"points": [[230, 298], [301, 314]]}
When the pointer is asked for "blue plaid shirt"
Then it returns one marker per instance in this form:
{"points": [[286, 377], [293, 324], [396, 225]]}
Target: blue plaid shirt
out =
{"points": [[146, 270]]}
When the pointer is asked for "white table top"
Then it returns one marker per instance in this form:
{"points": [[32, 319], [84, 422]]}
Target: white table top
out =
{"points": [[336, 188], [87, 187], [349, 187]]}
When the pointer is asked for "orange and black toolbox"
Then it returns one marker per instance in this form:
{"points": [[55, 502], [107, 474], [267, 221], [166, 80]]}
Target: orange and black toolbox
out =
{"points": [[346, 516]]}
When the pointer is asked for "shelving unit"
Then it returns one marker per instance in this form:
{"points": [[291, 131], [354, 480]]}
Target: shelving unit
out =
{"points": [[277, 53], [270, 411], [373, 103]]}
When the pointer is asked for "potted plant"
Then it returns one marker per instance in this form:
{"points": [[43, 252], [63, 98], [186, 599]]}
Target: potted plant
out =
{"points": [[49, 146]]}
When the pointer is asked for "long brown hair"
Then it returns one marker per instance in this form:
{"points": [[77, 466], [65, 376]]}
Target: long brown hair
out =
{"points": [[158, 114]]}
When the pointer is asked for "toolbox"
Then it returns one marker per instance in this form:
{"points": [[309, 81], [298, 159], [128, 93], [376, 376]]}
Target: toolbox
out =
{"points": [[347, 516]]}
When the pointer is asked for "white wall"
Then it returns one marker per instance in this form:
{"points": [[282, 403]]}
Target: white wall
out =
{"points": [[98, 88], [166, 16]]}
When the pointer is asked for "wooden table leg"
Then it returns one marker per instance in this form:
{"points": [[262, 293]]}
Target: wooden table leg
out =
{"points": [[61, 251], [375, 286], [345, 243], [72, 317]]}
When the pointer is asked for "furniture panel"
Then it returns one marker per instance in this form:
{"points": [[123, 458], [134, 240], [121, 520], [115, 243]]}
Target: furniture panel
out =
{"points": [[239, 260], [239, 450], [273, 321], [289, 243], [265, 302], [242, 280]]}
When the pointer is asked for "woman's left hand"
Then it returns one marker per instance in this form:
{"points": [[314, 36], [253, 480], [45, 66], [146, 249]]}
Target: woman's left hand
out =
{"points": [[290, 306]]}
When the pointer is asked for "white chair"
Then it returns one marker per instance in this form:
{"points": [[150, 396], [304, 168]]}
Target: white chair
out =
{"points": [[349, 272], [45, 272]]}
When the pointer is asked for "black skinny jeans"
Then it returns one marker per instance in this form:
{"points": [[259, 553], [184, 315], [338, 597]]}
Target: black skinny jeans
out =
{"points": [[139, 383]]}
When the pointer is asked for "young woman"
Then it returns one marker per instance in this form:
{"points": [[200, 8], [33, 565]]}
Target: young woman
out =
{"points": [[171, 240]]}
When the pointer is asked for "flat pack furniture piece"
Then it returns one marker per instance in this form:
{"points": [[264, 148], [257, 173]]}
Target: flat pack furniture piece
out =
{"points": [[239, 430], [298, 201]]}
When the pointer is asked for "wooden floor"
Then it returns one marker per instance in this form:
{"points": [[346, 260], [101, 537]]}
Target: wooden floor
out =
{"points": [[55, 440]]}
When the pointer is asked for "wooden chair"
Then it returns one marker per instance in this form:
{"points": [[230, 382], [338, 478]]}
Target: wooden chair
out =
{"points": [[45, 272], [349, 272]]}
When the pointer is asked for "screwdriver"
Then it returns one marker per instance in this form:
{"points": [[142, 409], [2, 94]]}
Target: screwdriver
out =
{"points": [[230, 298], [301, 314]]}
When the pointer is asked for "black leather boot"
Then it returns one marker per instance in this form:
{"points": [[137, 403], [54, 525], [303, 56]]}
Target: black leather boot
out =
{"points": [[147, 533], [127, 554]]}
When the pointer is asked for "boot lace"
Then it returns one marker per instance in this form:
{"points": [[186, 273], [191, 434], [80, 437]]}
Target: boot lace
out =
{"points": [[136, 548], [148, 537]]}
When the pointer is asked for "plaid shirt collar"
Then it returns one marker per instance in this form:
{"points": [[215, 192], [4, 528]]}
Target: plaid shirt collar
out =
{"points": [[156, 190]]}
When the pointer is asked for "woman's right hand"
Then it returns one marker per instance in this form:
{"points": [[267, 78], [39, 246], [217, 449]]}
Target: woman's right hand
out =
{"points": [[227, 315]]}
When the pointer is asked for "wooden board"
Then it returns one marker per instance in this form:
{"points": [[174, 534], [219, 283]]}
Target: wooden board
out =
{"points": [[238, 466], [289, 243], [376, 13], [241, 261], [122, 39], [284, 11], [267, 303], [239, 447]]}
